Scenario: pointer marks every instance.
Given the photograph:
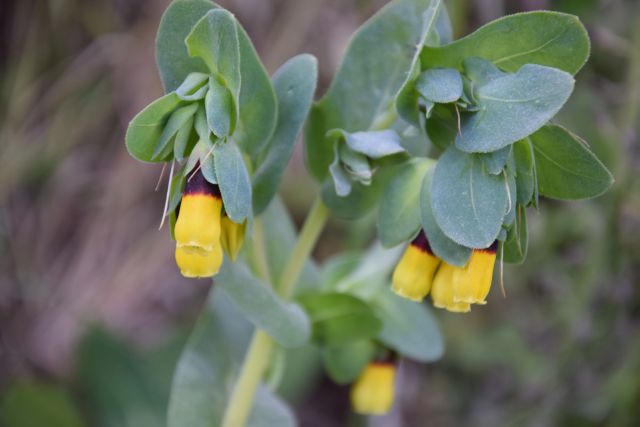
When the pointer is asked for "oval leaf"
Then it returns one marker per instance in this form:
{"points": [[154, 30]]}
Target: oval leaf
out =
{"points": [[547, 38], [233, 180], [399, 213], [441, 245], [286, 323], [344, 363], [408, 328], [513, 107], [339, 318], [220, 109], [468, 203], [565, 167], [295, 84], [146, 127], [440, 85]]}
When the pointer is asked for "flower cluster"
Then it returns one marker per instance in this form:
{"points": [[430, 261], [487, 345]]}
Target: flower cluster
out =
{"points": [[452, 288]]}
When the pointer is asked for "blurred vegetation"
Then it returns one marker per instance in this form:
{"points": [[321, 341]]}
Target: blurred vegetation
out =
{"points": [[93, 312]]}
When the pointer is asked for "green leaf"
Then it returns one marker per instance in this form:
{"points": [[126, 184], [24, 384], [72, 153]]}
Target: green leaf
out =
{"points": [[374, 67], [176, 121], [565, 167], [358, 202], [525, 180], [341, 180], [344, 363], [373, 144], [220, 109], [174, 62], [399, 213], [513, 107], [442, 126], [406, 100], [546, 38], [286, 323], [339, 318], [480, 71], [440, 85], [208, 168], [146, 127], [408, 328], [295, 84], [512, 196], [468, 203], [183, 139], [496, 160], [208, 367], [33, 405], [515, 246], [442, 246], [233, 180], [194, 87], [258, 103], [214, 39], [356, 165]]}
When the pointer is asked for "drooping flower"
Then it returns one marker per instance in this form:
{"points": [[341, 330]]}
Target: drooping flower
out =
{"points": [[456, 288], [232, 236], [197, 229], [373, 392], [413, 276]]}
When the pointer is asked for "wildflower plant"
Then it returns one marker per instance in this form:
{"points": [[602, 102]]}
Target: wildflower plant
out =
{"points": [[449, 141]]}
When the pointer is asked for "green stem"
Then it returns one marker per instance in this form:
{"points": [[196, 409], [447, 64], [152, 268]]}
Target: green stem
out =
{"points": [[258, 355], [311, 229], [253, 367]]}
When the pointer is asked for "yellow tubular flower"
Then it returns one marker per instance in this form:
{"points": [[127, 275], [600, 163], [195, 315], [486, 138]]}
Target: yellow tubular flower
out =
{"points": [[197, 229], [413, 275], [442, 293], [472, 283], [232, 237], [373, 391]]}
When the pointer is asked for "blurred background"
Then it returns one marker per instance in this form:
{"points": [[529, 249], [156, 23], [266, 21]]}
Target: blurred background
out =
{"points": [[93, 312]]}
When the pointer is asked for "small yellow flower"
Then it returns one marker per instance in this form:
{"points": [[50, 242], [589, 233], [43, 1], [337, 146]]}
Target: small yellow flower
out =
{"points": [[373, 392], [471, 284], [456, 288], [413, 275], [197, 229], [232, 237]]}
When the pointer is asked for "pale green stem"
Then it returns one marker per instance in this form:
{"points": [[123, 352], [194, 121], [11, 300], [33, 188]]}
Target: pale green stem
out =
{"points": [[311, 229], [258, 355]]}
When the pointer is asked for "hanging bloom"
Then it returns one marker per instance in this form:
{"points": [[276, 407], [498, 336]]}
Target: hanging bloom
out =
{"points": [[456, 288], [197, 229], [232, 236], [471, 284], [413, 275], [373, 391]]}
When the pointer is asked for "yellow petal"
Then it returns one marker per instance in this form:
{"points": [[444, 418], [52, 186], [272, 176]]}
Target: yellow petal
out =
{"points": [[442, 293], [472, 283], [196, 262], [373, 392], [232, 237], [413, 275], [198, 223]]}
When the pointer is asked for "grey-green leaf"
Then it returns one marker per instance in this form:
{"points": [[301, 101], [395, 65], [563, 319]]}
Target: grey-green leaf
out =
{"points": [[183, 138], [285, 322], [340, 318], [295, 84], [374, 68], [345, 362], [341, 180], [496, 160], [209, 366], [468, 203], [513, 107], [408, 328], [440, 85], [214, 39], [373, 144], [194, 87], [565, 167], [547, 38], [177, 120], [516, 244], [233, 180], [220, 109], [480, 71], [399, 212], [174, 62], [146, 127], [525, 180], [441, 245]]}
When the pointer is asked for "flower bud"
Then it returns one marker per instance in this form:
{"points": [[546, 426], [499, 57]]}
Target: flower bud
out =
{"points": [[373, 392], [413, 275]]}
